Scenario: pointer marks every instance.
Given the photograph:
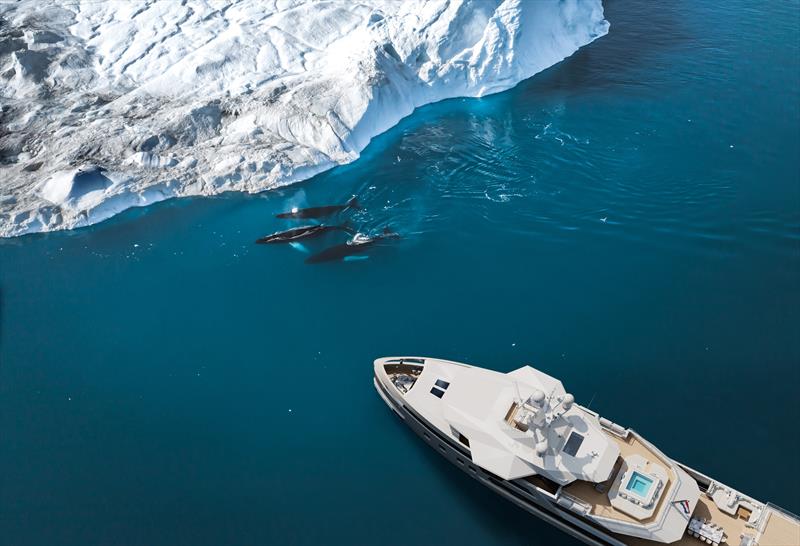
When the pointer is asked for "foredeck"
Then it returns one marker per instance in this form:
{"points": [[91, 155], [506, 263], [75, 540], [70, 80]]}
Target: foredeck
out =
{"points": [[598, 499]]}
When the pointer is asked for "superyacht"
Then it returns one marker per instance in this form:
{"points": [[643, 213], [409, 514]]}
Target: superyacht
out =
{"points": [[523, 436]]}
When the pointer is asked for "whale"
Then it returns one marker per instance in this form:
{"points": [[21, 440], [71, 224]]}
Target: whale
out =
{"points": [[319, 212], [358, 244], [299, 233]]}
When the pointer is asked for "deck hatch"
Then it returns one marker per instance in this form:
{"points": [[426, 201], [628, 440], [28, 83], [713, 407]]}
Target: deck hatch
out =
{"points": [[442, 384], [573, 444]]}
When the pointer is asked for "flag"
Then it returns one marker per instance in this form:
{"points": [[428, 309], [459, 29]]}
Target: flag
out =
{"points": [[684, 506]]}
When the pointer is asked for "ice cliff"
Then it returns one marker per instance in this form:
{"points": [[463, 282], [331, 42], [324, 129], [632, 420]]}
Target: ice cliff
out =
{"points": [[115, 104]]}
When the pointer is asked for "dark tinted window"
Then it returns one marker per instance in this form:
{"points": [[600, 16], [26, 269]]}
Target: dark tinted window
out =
{"points": [[573, 444], [441, 383], [437, 392]]}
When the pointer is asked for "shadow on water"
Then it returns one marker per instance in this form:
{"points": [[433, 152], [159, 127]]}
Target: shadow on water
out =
{"points": [[615, 59], [506, 519]]}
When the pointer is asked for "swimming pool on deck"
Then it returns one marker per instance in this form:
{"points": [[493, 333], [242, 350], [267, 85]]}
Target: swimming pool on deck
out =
{"points": [[639, 484]]}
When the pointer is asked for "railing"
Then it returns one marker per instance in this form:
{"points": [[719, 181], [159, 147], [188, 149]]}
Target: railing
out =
{"points": [[784, 512], [614, 428]]}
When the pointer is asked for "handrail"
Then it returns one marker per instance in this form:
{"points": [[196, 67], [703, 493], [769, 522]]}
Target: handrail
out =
{"points": [[784, 512]]}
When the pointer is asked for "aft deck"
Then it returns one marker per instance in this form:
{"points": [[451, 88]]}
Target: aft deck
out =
{"points": [[597, 495], [780, 530], [774, 528], [705, 508]]}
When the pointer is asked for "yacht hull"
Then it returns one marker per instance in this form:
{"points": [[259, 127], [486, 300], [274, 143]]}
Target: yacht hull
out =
{"points": [[693, 508], [524, 497]]}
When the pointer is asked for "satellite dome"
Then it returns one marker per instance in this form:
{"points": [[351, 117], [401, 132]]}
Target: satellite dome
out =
{"points": [[537, 396], [568, 401]]}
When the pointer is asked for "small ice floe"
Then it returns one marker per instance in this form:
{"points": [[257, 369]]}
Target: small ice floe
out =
{"points": [[604, 219], [135, 245], [290, 410], [513, 344], [731, 146]]}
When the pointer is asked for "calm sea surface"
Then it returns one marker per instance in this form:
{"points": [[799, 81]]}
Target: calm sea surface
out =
{"points": [[628, 221]]}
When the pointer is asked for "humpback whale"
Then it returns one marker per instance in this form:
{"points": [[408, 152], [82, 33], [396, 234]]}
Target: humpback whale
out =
{"points": [[320, 212], [296, 234], [358, 244]]}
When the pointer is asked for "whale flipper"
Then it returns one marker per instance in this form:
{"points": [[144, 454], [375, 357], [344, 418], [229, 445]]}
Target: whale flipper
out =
{"points": [[353, 203], [300, 246]]}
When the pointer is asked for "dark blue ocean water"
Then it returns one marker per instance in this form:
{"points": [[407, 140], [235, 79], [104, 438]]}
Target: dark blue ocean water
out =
{"points": [[628, 221]]}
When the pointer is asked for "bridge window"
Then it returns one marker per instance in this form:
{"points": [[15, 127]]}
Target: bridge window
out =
{"points": [[437, 392]]}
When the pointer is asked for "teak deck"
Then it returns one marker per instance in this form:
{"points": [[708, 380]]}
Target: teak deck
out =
{"points": [[779, 531], [601, 505]]}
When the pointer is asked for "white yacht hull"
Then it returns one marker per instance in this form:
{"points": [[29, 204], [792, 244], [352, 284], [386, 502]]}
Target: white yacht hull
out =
{"points": [[526, 499], [562, 505]]}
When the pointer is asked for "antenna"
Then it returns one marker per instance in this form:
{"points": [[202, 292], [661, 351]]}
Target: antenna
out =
{"points": [[519, 396]]}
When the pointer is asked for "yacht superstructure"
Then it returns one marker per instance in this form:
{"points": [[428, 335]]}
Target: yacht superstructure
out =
{"points": [[525, 437]]}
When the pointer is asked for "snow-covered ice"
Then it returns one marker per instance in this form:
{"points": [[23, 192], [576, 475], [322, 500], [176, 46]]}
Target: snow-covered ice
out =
{"points": [[113, 104]]}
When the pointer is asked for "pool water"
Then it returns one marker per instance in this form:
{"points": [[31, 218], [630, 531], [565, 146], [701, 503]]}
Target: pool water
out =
{"points": [[639, 484], [627, 221]]}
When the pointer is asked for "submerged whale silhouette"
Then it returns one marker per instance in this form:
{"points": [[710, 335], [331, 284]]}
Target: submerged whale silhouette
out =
{"points": [[319, 212], [304, 232], [358, 244]]}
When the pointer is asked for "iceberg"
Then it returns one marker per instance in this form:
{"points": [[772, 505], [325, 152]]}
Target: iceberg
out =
{"points": [[111, 105]]}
